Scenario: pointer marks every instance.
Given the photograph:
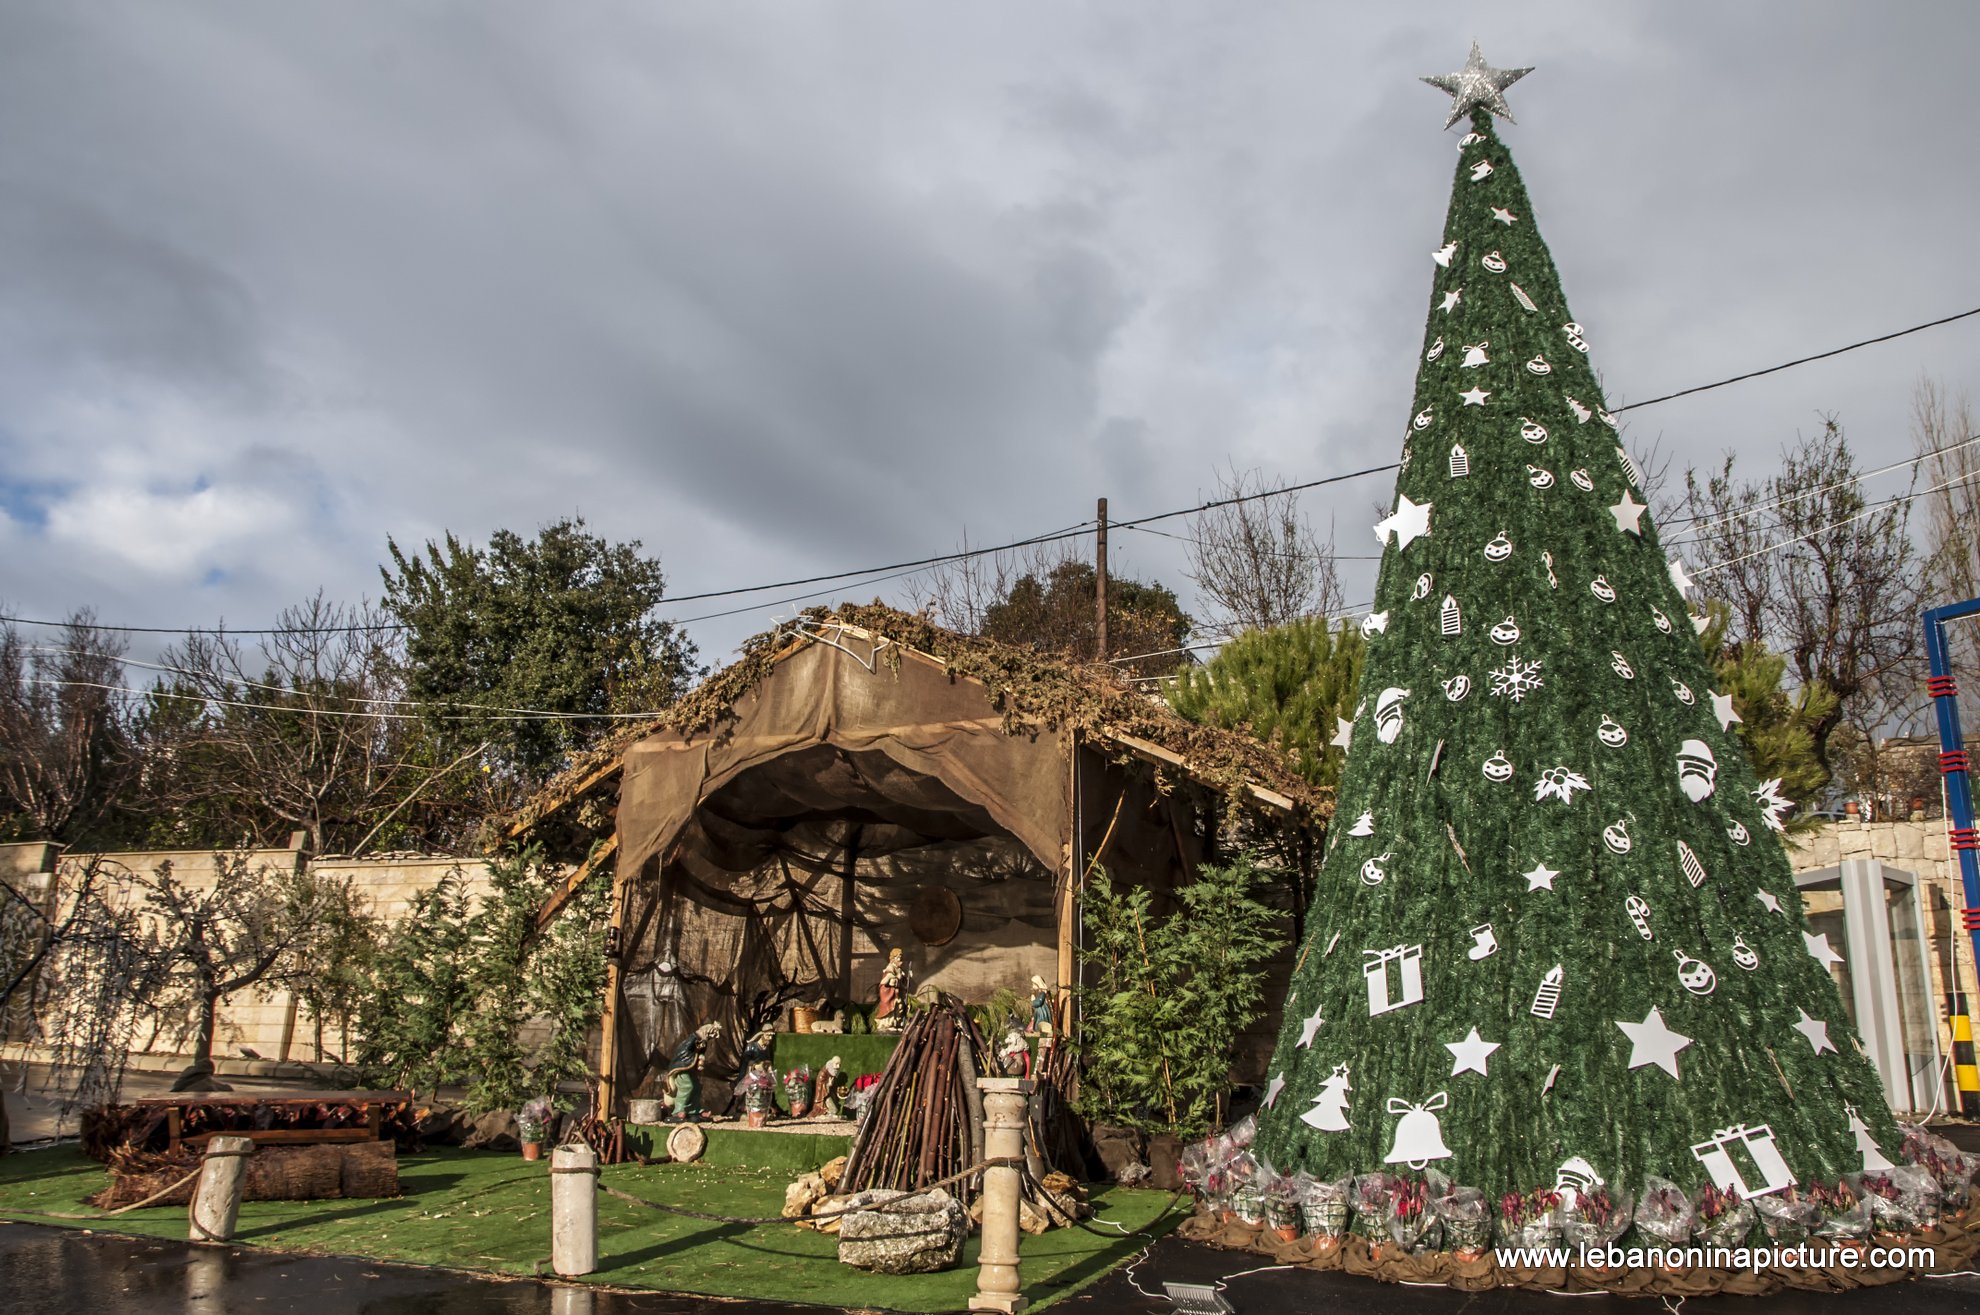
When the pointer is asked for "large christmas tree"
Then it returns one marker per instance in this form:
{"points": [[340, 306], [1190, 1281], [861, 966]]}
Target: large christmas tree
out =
{"points": [[1555, 923]]}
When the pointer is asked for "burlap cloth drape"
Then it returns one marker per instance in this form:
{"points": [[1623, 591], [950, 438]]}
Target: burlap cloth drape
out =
{"points": [[1956, 1242]]}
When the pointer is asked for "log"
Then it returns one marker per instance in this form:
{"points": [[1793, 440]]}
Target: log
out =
{"points": [[356, 1170]]}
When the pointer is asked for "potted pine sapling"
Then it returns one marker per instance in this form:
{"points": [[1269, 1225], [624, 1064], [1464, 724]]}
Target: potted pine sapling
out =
{"points": [[533, 1125]]}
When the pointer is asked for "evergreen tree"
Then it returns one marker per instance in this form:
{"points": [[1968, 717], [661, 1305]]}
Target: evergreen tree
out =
{"points": [[1285, 686], [1561, 925]]}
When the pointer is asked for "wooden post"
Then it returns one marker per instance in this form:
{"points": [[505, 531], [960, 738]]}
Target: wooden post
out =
{"points": [[998, 1285], [573, 1210], [216, 1201], [608, 1031], [1068, 910], [846, 913], [1100, 588]]}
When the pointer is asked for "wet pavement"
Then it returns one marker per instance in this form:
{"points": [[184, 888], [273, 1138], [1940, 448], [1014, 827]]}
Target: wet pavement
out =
{"points": [[1138, 1288], [60, 1271], [54, 1271]]}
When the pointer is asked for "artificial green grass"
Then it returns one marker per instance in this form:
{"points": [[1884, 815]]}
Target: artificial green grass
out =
{"points": [[487, 1211]]}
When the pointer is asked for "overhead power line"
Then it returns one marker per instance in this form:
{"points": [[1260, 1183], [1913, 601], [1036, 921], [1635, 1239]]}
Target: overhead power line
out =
{"points": [[1693, 528], [1789, 365], [919, 564]]}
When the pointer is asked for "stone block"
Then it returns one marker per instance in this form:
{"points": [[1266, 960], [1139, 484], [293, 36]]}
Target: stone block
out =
{"points": [[913, 1235]]}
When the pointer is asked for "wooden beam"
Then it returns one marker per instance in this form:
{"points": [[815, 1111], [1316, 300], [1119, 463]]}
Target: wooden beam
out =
{"points": [[551, 907], [568, 797], [1156, 753]]}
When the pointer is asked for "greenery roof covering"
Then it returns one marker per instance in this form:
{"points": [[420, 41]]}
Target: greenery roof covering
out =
{"points": [[1031, 690]]}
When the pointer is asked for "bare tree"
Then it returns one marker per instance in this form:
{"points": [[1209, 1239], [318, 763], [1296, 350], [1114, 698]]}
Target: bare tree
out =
{"points": [[1942, 425], [1255, 557], [64, 743], [1813, 569], [305, 730]]}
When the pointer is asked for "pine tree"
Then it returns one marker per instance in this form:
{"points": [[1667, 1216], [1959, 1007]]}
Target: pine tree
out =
{"points": [[1285, 686], [1562, 925]]}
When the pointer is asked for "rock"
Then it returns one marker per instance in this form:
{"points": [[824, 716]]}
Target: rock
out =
{"points": [[913, 1235], [442, 1126], [1164, 1159], [802, 1194], [198, 1076], [1120, 1152], [832, 1172], [493, 1131]]}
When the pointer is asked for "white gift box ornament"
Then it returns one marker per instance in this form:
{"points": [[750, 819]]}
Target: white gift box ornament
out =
{"points": [[1732, 1151], [1419, 1137], [1408, 960]]}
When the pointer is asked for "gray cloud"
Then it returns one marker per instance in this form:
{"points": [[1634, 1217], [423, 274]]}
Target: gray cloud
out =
{"points": [[784, 289]]}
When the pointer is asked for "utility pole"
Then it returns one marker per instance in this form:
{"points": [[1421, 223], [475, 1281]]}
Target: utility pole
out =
{"points": [[1100, 588]]}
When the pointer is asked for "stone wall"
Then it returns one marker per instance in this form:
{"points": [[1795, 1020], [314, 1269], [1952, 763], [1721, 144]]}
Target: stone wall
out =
{"points": [[271, 1026]]}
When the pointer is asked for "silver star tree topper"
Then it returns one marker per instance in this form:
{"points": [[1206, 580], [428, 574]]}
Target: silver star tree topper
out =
{"points": [[1478, 83]]}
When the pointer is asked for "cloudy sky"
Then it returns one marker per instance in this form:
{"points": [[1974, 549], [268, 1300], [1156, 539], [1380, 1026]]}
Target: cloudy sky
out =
{"points": [[787, 288]]}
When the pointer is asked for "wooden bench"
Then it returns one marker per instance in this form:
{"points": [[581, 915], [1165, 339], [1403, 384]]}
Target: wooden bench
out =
{"points": [[373, 1104]]}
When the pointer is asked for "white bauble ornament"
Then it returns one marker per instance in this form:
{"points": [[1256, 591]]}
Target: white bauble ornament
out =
{"points": [[1494, 262], [1607, 418], [1580, 480], [1365, 824], [1424, 419], [1663, 622], [1419, 1139], [1695, 975], [1422, 590], [1698, 770], [1638, 910], [1743, 954], [1450, 619], [1389, 714], [1506, 632], [1474, 355], [1436, 350], [1739, 834], [1460, 461], [1532, 431], [1575, 337], [1372, 871], [1611, 732], [1538, 365], [1538, 478], [1602, 589], [1457, 687], [1683, 692], [1620, 665], [1616, 837], [1498, 768], [1499, 548]]}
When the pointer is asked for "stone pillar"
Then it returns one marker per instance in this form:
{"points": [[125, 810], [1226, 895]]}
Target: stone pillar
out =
{"points": [[216, 1202], [997, 1284], [573, 1210]]}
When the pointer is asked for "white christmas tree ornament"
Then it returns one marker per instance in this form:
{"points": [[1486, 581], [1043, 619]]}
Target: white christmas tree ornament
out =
{"points": [[1419, 1138], [1329, 1112], [1873, 1158], [1470, 1054], [1653, 1042]]}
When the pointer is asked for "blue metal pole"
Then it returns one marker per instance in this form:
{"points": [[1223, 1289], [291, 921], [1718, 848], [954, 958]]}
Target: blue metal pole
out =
{"points": [[1953, 762]]}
